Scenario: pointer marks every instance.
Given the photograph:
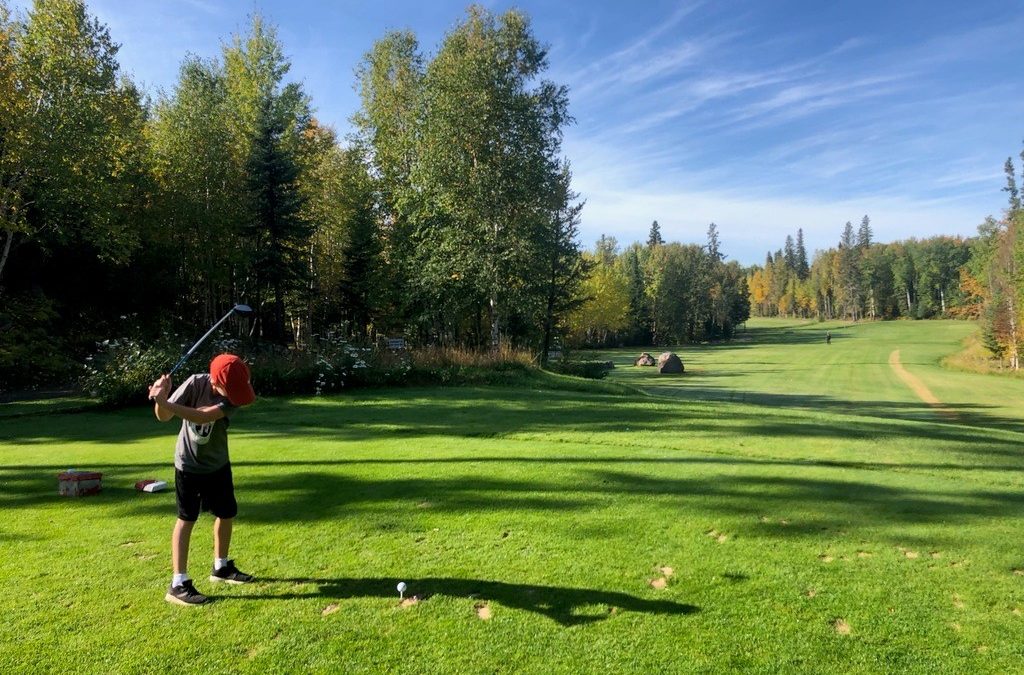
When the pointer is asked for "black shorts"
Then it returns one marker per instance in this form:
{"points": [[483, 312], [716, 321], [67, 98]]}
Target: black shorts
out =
{"points": [[213, 492]]}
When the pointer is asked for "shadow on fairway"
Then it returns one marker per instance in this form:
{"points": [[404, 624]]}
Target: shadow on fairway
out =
{"points": [[478, 412], [567, 606], [761, 500]]}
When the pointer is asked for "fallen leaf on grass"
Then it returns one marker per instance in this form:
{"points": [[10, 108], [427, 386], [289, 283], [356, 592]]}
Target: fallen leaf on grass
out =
{"points": [[667, 571], [841, 627], [659, 583], [330, 609], [483, 611]]}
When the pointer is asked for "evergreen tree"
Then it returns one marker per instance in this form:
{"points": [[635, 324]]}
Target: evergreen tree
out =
{"points": [[605, 251], [864, 233], [849, 273], [714, 246], [803, 269], [361, 275], [567, 268], [789, 254], [1011, 184], [277, 234], [654, 238]]}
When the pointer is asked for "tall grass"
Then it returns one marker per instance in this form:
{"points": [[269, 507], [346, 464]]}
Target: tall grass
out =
{"points": [[505, 358], [974, 358]]}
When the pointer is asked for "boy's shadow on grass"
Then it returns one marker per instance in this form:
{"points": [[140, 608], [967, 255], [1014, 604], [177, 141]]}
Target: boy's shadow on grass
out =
{"points": [[567, 606]]}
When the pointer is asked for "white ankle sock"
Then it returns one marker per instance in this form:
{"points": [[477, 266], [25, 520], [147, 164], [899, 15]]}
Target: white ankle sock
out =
{"points": [[179, 579], [219, 562]]}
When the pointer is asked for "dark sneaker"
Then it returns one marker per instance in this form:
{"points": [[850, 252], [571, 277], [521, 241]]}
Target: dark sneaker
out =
{"points": [[230, 574], [185, 594]]}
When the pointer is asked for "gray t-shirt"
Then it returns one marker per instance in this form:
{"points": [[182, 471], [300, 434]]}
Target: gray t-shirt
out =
{"points": [[201, 448]]}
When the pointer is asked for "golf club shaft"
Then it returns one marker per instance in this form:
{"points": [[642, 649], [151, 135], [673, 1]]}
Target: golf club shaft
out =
{"points": [[184, 358]]}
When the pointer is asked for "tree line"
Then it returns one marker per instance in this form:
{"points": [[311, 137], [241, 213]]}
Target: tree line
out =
{"points": [[447, 217], [993, 278], [659, 293], [863, 279]]}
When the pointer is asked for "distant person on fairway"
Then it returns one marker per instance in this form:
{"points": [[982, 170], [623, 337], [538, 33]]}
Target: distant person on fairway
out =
{"points": [[828, 337], [202, 470]]}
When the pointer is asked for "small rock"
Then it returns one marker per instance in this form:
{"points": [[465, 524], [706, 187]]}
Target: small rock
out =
{"points": [[645, 359]]}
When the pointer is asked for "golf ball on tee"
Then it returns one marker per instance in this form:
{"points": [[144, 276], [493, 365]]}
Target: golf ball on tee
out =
{"points": [[401, 587]]}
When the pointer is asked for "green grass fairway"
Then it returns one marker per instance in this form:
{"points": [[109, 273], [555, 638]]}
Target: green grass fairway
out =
{"points": [[786, 505]]}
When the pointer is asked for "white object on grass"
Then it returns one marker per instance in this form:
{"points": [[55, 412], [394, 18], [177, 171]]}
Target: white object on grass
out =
{"points": [[155, 486], [401, 589]]}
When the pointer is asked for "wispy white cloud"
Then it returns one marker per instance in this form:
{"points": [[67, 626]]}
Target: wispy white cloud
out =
{"points": [[639, 61], [206, 6], [764, 137]]}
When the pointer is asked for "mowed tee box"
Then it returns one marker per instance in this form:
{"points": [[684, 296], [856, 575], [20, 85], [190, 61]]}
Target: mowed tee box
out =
{"points": [[79, 483]]}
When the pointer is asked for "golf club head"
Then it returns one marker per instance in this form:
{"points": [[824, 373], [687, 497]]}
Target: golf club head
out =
{"points": [[241, 310]]}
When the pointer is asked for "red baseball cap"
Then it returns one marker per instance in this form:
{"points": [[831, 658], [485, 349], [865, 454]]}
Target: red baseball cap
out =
{"points": [[231, 374]]}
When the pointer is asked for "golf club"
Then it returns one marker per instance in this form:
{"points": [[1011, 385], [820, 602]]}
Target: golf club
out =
{"points": [[238, 310]]}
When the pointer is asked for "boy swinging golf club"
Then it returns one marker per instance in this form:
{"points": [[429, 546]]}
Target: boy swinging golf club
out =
{"points": [[202, 469]]}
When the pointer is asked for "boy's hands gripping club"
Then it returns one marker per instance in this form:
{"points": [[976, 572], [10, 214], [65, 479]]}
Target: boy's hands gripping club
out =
{"points": [[160, 389]]}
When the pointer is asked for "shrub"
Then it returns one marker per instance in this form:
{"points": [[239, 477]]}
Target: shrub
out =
{"points": [[456, 365], [29, 354], [592, 370], [123, 370], [327, 365]]}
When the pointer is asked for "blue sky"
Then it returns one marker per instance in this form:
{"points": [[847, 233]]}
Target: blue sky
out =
{"points": [[762, 116]]}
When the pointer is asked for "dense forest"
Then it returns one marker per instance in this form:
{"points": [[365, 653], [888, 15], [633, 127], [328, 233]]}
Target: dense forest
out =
{"points": [[863, 279], [659, 293], [447, 217]]}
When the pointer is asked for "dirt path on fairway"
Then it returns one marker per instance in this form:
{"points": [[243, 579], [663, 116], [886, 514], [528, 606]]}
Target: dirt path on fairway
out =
{"points": [[918, 387]]}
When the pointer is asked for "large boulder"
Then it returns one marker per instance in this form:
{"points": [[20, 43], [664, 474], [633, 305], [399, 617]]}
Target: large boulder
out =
{"points": [[645, 360], [670, 363]]}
